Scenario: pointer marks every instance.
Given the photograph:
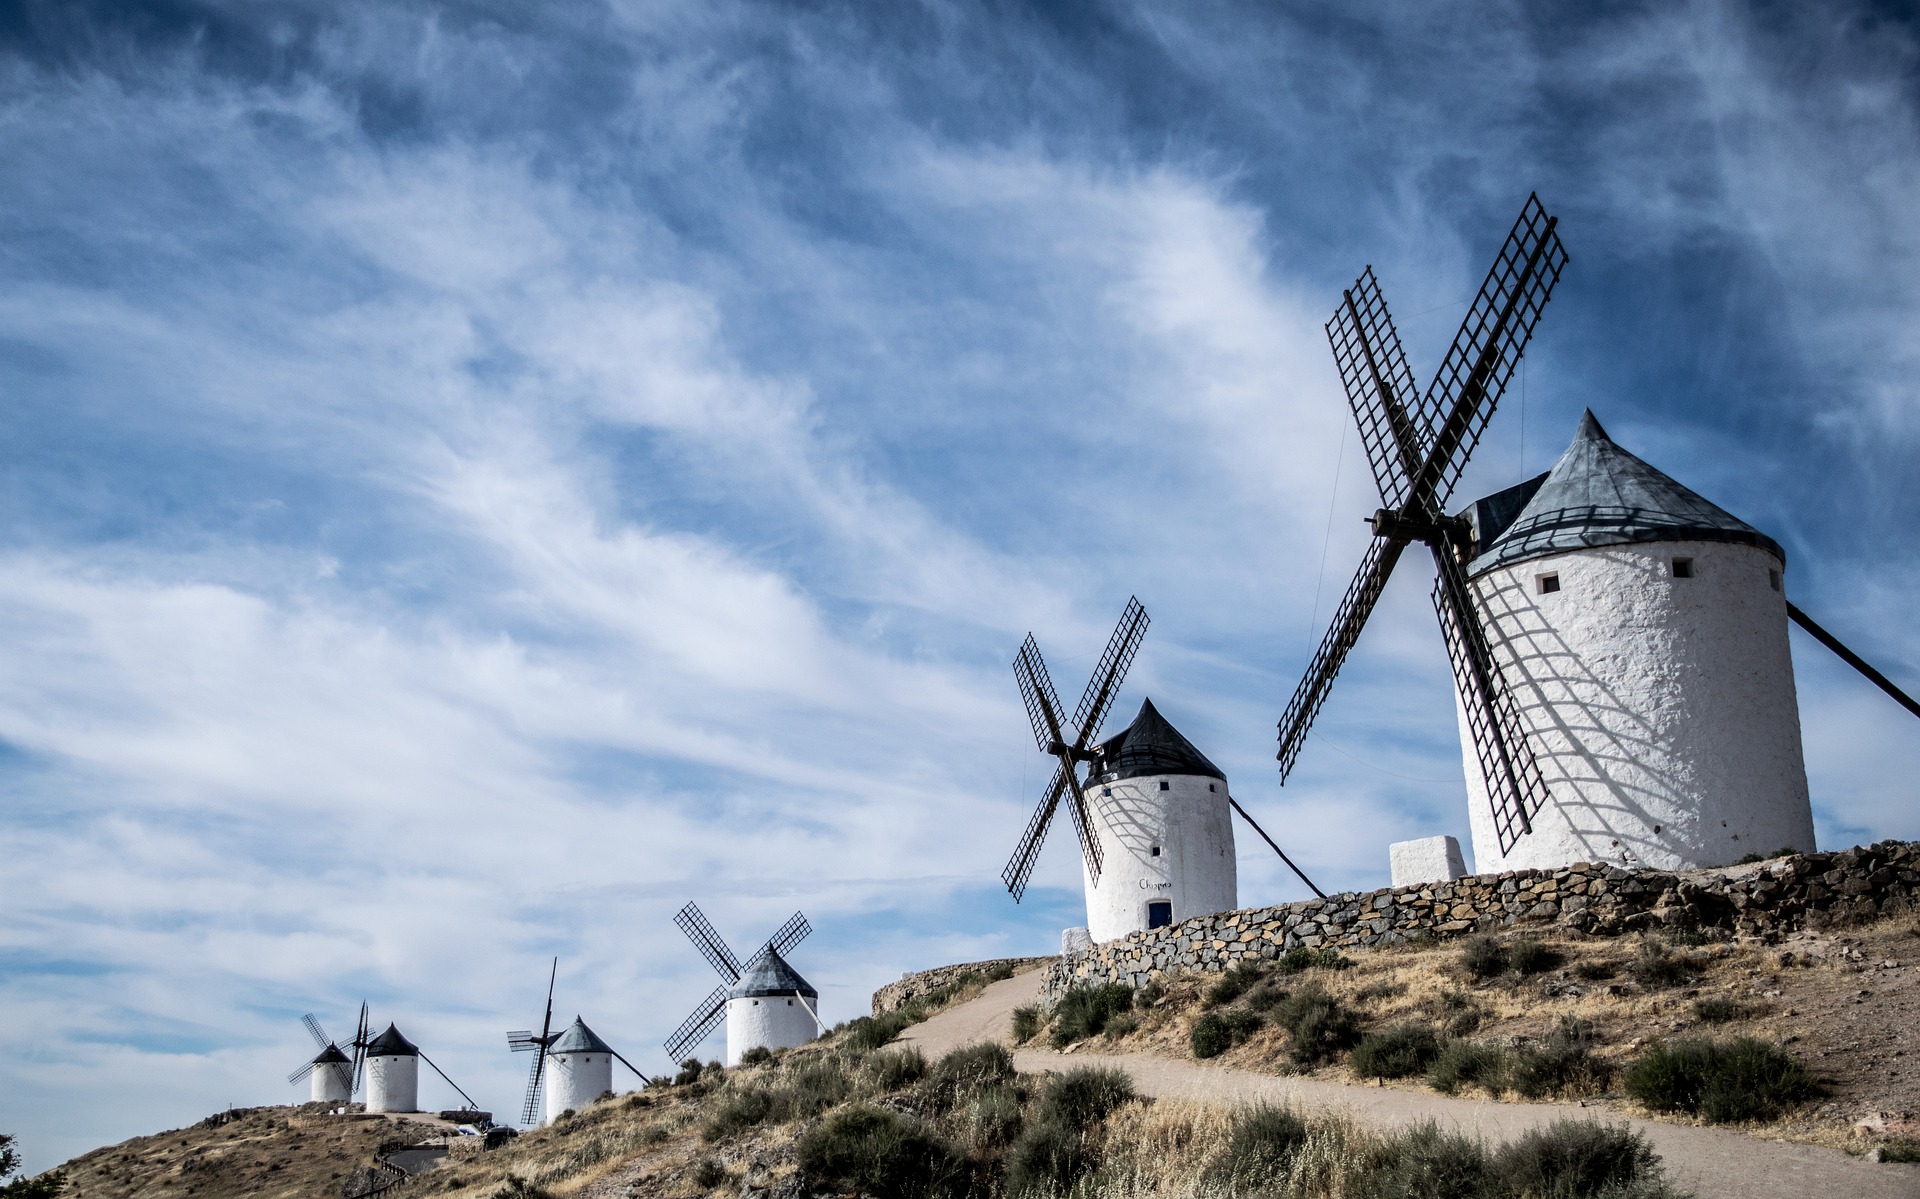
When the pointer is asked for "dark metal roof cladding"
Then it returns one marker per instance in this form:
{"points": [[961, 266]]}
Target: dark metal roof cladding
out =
{"points": [[1149, 746]]}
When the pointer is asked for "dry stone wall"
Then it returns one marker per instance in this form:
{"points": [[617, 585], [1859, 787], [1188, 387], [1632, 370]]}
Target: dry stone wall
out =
{"points": [[925, 982], [1762, 899]]}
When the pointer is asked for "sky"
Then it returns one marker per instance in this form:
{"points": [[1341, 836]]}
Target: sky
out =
{"points": [[479, 476]]}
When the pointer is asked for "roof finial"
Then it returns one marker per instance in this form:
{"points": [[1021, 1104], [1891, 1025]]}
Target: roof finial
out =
{"points": [[1590, 429]]}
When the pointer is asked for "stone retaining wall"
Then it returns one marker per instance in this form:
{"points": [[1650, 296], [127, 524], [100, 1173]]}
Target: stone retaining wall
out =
{"points": [[913, 986], [1760, 899]]}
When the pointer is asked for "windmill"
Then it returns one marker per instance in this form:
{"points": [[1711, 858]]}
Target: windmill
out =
{"points": [[765, 1003], [583, 1063], [1148, 796], [1418, 445], [335, 1076]]}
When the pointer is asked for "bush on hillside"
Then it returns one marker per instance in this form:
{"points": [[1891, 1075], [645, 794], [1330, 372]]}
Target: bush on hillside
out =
{"points": [[1261, 1147], [1428, 1162], [880, 1154], [1398, 1052], [1047, 1160], [1082, 1097], [1462, 1064], [1232, 984], [1026, 1023], [1484, 957], [1724, 1081], [1721, 1009], [1578, 1157], [1300, 959], [1084, 1011], [1560, 1063], [1216, 1032], [1654, 967], [1528, 956], [1594, 972], [965, 1072], [895, 1068], [1318, 1024], [994, 1117], [759, 1055]]}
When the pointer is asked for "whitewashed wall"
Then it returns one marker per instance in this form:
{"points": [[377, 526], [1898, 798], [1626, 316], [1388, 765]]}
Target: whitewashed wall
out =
{"points": [[393, 1084], [772, 1021], [576, 1079], [1661, 709], [327, 1085], [1195, 870]]}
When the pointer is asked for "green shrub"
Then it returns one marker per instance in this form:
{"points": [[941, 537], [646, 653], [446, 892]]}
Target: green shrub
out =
{"points": [[1210, 1036], [1300, 959], [1265, 996], [1260, 1150], [1319, 1025], [1047, 1160], [999, 972], [1484, 957], [1721, 1009], [1725, 1081], [880, 1154], [1119, 1026], [1902, 1151], [759, 1055], [994, 1117], [1461, 1064], [1578, 1158], [869, 1033], [1428, 1162], [1400, 1051], [738, 1111], [967, 1071], [896, 1068], [1026, 1023], [1083, 1096], [1232, 984], [1084, 1011], [708, 1174], [1653, 967], [1594, 972], [1561, 1062], [690, 1071], [1528, 956], [1693, 938]]}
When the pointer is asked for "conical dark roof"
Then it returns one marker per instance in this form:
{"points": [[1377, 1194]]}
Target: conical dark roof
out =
{"points": [[769, 974], [1599, 494], [579, 1039], [329, 1055], [1149, 746], [391, 1044]]}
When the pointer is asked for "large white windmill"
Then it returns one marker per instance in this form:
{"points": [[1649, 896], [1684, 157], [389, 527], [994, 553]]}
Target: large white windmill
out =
{"points": [[572, 1066], [1153, 814], [765, 1002], [1622, 678]]}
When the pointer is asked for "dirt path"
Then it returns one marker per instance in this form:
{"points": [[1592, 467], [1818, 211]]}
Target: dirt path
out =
{"points": [[1712, 1162]]}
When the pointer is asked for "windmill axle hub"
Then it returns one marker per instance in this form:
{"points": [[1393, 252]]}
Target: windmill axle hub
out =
{"points": [[1402, 527]]}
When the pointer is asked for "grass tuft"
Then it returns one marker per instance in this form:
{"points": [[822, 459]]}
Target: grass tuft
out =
{"points": [[1579, 1158], [897, 1068], [1484, 957], [1084, 1011], [1026, 1023], [1399, 1052], [1655, 967], [1722, 1009], [881, 1154], [1528, 956]]}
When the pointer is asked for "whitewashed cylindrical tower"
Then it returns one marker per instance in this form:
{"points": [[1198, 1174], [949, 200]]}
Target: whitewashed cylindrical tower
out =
{"points": [[393, 1073], [579, 1070], [1643, 633], [1159, 809], [331, 1077], [770, 1007]]}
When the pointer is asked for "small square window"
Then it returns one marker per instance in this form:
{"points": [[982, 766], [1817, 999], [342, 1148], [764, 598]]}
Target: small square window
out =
{"points": [[1106, 790], [1209, 786], [1683, 568], [1773, 579], [1549, 584], [1165, 785], [1155, 852]]}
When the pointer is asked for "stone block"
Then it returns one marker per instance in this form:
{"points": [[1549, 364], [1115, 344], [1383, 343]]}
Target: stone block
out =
{"points": [[1427, 860], [1073, 940]]}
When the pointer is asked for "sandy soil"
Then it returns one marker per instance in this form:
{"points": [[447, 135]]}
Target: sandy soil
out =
{"points": [[1711, 1161]]}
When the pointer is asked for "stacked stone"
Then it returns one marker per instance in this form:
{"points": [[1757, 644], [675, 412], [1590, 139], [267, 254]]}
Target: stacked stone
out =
{"points": [[925, 982], [1761, 900]]}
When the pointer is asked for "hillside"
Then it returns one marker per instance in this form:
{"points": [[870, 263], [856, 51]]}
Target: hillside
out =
{"points": [[1843, 1003]]}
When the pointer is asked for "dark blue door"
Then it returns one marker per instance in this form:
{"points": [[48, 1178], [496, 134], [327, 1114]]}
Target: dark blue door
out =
{"points": [[1159, 913]]}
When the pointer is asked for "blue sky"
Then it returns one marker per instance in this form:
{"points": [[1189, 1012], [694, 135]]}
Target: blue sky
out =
{"points": [[479, 476]]}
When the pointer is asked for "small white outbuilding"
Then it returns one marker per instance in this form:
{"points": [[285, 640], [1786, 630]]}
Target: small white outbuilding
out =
{"points": [[579, 1070], [1159, 809], [1643, 632], [331, 1076], [770, 1007], [393, 1073]]}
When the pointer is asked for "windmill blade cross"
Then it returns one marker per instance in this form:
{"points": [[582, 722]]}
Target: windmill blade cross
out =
{"points": [[1020, 866], [301, 1073], [1036, 691], [694, 923], [1379, 385], [698, 1024], [1104, 686]]}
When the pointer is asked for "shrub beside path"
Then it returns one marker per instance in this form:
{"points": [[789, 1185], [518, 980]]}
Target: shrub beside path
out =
{"points": [[1711, 1162]]}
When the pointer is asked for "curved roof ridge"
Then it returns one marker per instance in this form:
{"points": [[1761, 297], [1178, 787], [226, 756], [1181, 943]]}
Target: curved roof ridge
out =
{"points": [[1599, 494]]}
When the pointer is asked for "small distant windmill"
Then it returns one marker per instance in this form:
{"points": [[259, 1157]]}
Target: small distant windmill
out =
{"points": [[765, 1003], [582, 1063], [1418, 445], [1148, 794], [335, 1076]]}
